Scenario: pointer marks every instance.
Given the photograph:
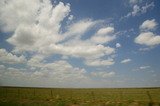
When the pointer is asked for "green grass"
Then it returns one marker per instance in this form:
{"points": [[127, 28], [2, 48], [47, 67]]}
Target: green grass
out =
{"points": [[12, 96]]}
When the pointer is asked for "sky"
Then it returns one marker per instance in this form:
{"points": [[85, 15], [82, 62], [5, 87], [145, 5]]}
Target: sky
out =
{"points": [[80, 43]]}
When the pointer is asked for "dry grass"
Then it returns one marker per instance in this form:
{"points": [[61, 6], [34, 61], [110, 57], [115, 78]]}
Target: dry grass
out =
{"points": [[79, 97]]}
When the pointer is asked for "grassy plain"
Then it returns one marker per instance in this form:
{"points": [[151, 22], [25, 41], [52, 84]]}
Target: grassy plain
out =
{"points": [[16, 96]]}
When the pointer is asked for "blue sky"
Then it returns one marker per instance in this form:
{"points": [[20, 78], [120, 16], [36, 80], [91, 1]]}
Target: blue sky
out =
{"points": [[79, 43]]}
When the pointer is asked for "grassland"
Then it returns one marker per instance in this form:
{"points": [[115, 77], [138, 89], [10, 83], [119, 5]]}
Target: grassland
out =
{"points": [[16, 96]]}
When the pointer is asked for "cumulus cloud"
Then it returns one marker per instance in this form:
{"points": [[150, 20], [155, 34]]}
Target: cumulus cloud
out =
{"points": [[44, 28], [118, 45], [49, 74], [105, 31], [146, 36], [148, 39], [99, 62], [23, 37], [79, 48], [9, 58], [71, 17], [149, 25], [103, 74], [126, 60], [80, 27], [2, 69], [22, 14], [36, 61], [44, 34], [43, 31], [103, 35]]}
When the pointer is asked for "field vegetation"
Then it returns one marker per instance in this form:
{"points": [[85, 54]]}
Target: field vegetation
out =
{"points": [[16, 96]]}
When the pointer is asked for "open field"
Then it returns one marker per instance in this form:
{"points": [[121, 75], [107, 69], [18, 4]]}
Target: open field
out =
{"points": [[14, 96]]}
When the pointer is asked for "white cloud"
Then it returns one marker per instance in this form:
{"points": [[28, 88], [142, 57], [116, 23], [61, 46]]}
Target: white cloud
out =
{"points": [[2, 69], [36, 61], [99, 62], [144, 67], [71, 17], [6, 57], [149, 25], [137, 10], [145, 49], [57, 74], [80, 27], [23, 36], [145, 8], [81, 49], [126, 60], [103, 74], [43, 34], [105, 31], [22, 13], [102, 39], [14, 72], [103, 35], [146, 36], [39, 33], [43, 31], [118, 45], [148, 39]]}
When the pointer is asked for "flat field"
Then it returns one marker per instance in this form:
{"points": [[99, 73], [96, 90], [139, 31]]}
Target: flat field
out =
{"points": [[17, 96]]}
